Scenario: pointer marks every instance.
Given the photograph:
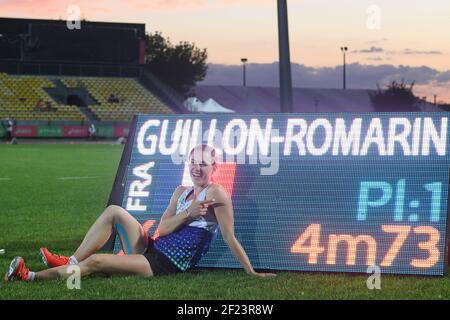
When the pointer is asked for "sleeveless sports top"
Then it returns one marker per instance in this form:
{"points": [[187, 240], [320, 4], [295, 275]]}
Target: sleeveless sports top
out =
{"points": [[187, 245]]}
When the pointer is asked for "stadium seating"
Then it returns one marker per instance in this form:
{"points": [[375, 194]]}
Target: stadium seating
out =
{"points": [[132, 97], [19, 95]]}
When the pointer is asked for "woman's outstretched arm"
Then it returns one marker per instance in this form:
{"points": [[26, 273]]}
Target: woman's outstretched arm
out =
{"points": [[224, 214]]}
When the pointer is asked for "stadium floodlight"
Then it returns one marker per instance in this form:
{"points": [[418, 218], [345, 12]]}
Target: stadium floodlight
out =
{"points": [[286, 100], [244, 80], [344, 50]]}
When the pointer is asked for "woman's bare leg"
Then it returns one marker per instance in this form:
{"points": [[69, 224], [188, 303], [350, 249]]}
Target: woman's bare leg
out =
{"points": [[108, 264], [134, 240]]}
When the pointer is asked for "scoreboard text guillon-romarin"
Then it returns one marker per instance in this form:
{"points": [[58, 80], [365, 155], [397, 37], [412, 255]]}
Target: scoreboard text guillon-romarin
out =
{"points": [[418, 136], [350, 190]]}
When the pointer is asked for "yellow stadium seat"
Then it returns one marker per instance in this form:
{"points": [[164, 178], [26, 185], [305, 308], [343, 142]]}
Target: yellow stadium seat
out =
{"points": [[19, 94]]}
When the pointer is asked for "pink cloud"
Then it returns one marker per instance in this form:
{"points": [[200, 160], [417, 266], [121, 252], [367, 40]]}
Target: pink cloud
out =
{"points": [[27, 8], [54, 9], [58, 8], [234, 2], [139, 6]]}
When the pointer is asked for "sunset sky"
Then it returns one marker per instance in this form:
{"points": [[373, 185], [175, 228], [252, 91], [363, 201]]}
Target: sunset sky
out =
{"points": [[388, 39]]}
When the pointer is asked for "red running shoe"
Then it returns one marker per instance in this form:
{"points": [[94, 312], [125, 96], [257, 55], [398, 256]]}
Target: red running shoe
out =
{"points": [[53, 260], [17, 270]]}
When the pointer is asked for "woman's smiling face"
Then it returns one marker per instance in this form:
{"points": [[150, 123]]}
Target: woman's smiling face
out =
{"points": [[201, 165]]}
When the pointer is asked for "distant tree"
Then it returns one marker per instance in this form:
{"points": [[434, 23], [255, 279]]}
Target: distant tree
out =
{"points": [[397, 97], [180, 66], [444, 106]]}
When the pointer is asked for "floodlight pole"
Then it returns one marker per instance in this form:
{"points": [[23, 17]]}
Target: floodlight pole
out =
{"points": [[284, 59], [344, 69], [244, 78]]}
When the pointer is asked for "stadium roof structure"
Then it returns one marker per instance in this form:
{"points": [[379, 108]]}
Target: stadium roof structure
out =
{"points": [[21, 25], [267, 99]]}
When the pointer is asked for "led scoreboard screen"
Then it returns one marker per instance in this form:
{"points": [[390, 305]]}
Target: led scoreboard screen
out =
{"points": [[336, 192]]}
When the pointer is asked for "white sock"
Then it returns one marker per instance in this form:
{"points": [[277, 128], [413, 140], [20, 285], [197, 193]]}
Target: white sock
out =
{"points": [[73, 260], [31, 275]]}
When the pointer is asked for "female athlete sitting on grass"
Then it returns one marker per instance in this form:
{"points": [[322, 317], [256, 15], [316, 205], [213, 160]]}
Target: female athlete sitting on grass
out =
{"points": [[185, 232]]}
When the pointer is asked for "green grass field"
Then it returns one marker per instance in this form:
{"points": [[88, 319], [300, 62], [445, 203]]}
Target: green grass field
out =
{"points": [[38, 208]]}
